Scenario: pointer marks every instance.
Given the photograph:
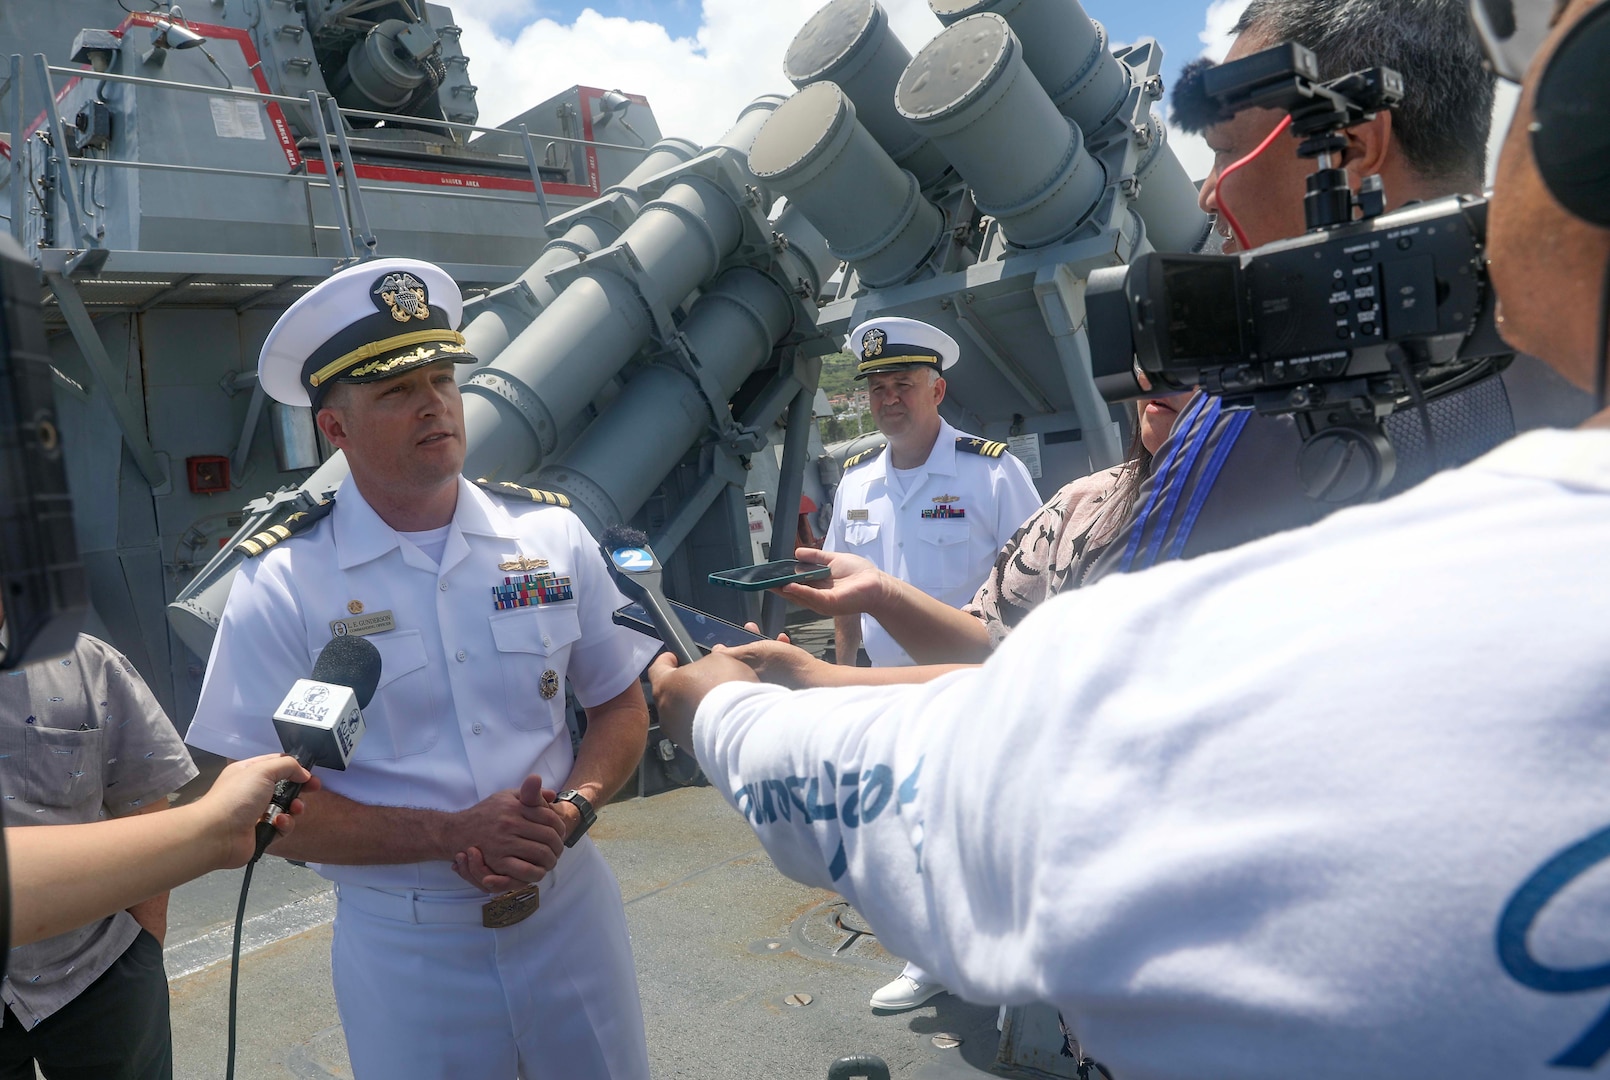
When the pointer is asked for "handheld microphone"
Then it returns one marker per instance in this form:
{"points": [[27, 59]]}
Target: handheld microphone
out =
{"points": [[321, 720], [637, 573]]}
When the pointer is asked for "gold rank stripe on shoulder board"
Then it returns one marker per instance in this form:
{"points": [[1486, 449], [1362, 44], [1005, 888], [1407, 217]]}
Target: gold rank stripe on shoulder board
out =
{"points": [[967, 444], [514, 491], [299, 522], [865, 455]]}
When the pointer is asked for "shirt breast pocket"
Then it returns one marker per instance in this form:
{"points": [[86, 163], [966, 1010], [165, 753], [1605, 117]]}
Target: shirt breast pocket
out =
{"points": [[861, 535], [533, 646], [63, 768], [406, 721], [943, 555]]}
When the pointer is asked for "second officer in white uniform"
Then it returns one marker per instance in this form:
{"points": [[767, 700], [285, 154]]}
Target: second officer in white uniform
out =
{"points": [[482, 601], [932, 506]]}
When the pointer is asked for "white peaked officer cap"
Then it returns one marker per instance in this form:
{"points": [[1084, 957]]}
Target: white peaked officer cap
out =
{"points": [[368, 322], [892, 342]]}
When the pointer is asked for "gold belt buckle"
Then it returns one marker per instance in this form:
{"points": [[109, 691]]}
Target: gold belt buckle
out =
{"points": [[509, 908]]}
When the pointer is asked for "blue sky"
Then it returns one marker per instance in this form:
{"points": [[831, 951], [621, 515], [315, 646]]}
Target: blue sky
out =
{"points": [[1174, 23], [699, 61]]}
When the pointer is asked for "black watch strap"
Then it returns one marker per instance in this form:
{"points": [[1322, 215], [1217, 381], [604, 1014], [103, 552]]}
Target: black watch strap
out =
{"points": [[588, 815]]}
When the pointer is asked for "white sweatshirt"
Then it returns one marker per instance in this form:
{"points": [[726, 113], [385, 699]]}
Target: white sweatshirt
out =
{"points": [[1334, 804]]}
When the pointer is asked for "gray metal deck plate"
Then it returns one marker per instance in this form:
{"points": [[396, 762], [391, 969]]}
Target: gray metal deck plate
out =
{"points": [[720, 937]]}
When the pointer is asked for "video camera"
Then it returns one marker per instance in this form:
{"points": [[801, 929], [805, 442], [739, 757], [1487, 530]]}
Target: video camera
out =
{"points": [[41, 581], [1364, 314]]}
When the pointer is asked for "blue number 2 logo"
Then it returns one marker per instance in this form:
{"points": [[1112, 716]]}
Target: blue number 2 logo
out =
{"points": [[1522, 911], [632, 558]]}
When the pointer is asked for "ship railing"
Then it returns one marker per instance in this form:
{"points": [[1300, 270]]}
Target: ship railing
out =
{"points": [[327, 119]]}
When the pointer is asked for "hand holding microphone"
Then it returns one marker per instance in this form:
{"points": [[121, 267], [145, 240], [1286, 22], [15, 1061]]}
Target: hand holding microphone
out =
{"points": [[321, 720]]}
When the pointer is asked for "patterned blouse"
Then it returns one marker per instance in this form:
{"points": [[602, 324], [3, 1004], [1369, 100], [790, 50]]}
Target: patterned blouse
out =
{"points": [[1037, 562]]}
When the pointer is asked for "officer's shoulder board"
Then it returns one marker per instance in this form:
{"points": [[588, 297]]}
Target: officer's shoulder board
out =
{"points": [[865, 455], [504, 489], [967, 444], [299, 522]]}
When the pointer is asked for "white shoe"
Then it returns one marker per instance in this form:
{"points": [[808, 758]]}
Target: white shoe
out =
{"points": [[905, 993]]}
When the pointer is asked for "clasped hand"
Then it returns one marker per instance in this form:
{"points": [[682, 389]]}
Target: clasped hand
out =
{"points": [[510, 838]]}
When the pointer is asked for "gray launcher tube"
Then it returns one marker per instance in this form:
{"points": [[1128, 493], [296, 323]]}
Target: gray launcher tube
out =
{"points": [[1067, 52], [1064, 48], [849, 43], [970, 92], [613, 467], [515, 407], [1167, 200], [871, 212], [595, 227]]}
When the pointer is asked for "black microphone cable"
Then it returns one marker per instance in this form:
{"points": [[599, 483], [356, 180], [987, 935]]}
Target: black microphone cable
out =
{"points": [[234, 967], [345, 661]]}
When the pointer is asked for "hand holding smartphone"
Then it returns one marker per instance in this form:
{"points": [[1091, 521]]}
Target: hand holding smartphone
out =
{"points": [[706, 630], [769, 575]]}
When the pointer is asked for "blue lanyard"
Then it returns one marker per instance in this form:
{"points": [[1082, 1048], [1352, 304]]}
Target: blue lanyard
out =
{"points": [[1210, 476]]}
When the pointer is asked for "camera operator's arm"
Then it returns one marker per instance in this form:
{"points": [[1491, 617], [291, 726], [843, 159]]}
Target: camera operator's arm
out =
{"points": [[66, 876], [931, 631]]}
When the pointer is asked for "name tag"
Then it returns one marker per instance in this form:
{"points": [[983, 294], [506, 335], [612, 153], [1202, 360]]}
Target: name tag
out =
{"points": [[859, 515], [378, 623]]}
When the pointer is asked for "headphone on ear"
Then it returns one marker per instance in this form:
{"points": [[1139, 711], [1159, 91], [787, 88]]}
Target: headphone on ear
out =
{"points": [[1571, 119]]}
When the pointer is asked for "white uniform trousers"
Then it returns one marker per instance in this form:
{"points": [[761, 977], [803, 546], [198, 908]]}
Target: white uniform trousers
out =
{"points": [[425, 991]]}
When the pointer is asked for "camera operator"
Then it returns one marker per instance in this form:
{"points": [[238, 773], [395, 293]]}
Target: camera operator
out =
{"points": [[1431, 145], [1359, 843]]}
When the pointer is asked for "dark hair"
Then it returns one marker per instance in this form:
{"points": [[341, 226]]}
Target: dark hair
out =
{"points": [[1447, 106], [1137, 467]]}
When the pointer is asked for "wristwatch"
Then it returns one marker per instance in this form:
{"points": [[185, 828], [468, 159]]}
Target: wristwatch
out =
{"points": [[585, 808]]}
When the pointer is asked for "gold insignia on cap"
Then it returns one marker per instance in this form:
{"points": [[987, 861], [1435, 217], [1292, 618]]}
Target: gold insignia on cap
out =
{"points": [[354, 607], [872, 342], [445, 341], [418, 356], [403, 295], [550, 684]]}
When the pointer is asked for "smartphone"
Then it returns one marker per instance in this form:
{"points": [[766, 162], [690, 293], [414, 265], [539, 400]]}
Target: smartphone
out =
{"points": [[769, 575], [707, 630]]}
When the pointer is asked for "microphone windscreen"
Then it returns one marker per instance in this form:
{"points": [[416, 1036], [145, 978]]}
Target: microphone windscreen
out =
{"points": [[350, 661], [1194, 111], [624, 536]]}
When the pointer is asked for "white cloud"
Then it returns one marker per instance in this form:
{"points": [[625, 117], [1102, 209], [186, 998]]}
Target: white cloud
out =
{"points": [[696, 85], [1216, 38]]}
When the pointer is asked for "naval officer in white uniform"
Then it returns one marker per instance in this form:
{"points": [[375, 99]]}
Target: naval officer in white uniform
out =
{"points": [[931, 505], [481, 603]]}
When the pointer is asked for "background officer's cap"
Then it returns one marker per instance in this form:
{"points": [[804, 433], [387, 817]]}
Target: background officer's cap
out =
{"points": [[891, 342], [369, 322]]}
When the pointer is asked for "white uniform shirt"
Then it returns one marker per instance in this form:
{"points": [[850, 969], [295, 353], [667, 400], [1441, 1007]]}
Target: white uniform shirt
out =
{"points": [[1333, 804], [459, 713], [879, 516]]}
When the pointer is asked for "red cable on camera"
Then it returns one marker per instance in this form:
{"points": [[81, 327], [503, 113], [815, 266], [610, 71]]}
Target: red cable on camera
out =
{"points": [[1224, 207]]}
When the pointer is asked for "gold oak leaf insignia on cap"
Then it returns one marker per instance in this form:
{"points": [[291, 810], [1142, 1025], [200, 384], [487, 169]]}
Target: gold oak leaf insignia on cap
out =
{"points": [[403, 295], [424, 352]]}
